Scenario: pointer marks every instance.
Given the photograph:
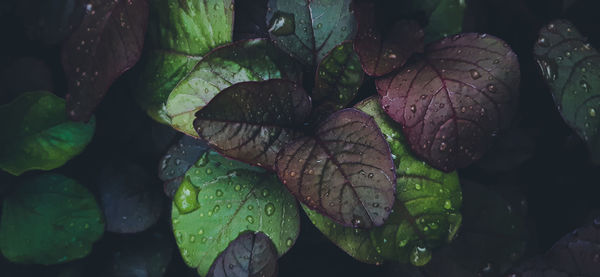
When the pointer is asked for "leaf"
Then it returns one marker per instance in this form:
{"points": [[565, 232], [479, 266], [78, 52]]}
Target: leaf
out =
{"points": [[452, 101], [250, 21], [222, 68], [37, 134], [249, 255], [424, 216], [129, 203], [307, 29], [446, 19], [178, 159], [49, 219], [148, 255], [253, 121], [344, 170], [339, 76], [179, 34], [382, 52], [571, 66], [221, 198], [108, 42]]}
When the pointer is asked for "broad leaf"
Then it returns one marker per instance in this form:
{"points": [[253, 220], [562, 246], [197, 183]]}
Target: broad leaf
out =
{"points": [[37, 134], [383, 51], [178, 159], [446, 19], [571, 67], [129, 202], [344, 170], [222, 68], [308, 29], [455, 99], [179, 34], [49, 219], [108, 42], [339, 76], [221, 198], [250, 20], [253, 121], [249, 255]]}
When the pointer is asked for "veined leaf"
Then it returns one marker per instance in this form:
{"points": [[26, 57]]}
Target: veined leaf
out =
{"points": [[249, 255], [178, 159]]}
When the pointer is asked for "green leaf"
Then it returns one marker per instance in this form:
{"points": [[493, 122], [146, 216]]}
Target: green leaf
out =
{"points": [[424, 216], [445, 20], [222, 68], [571, 67], [179, 34], [221, 198], [37, 134], [307, 29], [49, 219]]}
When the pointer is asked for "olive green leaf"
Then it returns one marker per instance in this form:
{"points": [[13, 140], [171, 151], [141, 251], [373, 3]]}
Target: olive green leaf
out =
{"points": [[49, 219], [36, 133], [424, 216], [222, 68], [221, 198], [445, 17]]}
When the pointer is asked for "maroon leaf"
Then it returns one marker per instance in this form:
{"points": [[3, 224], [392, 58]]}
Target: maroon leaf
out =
{"points": [[455, 99], [249, 255], [108, 42], [252, 121], [344, 171], [382, 52]]}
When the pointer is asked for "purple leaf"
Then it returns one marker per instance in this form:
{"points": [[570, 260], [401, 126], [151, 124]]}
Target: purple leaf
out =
{"points": [[108, 42], [252, 121], [344, 171], [383, 52], [452, 101], [249, 255], [178, 159]]}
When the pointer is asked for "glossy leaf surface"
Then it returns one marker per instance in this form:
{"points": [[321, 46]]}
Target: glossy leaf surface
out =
{"points": [[253, 121], [344, 171], [49, 219], [179, 158], [221, 198], [455, 99], [222, 68], [249, 255], [108, 42], [37, 134]]}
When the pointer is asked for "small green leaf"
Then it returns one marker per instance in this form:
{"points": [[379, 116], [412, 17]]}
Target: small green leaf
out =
{"points": [[49, 219], [308, 30], [223, 68], [221, 198], [424, 216], [37, 134], [445, 20]]}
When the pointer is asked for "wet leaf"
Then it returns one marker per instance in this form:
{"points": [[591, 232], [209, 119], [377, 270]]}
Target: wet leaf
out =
{"points": [[128, 200], [108, 42], [221, 198], [222, 68], [308, 30], [383, 51], [146, 255], [253, 121], [179, 34], [250, 21], [49, 219], [249, 255], [571, 67], [344, 170], [178, 159], [339, 77], [37, 134], [445, 19], [455, 99]]}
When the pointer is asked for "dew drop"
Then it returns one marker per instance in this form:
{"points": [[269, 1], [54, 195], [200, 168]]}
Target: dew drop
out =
{"points": [[474, 74], [420, 255], [289, 242], [413, 108], [592, 112], [443, 146], [543, 42], [269, 209], [282, 24], [250, 219]]}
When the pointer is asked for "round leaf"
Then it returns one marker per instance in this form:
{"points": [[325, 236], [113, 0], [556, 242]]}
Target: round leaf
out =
{"points": [[452, 101], [178, 159], [249, 255]]}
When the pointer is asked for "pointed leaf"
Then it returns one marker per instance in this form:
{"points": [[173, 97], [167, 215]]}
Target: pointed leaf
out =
{"points": [[108, 42], [253, 121], [250, 20], [308, 29], [383, 51], [49, 219], [571, 67], [222, 68], [455, 99], [249, 255], [37, 134], [344, 171], [178, 159], [221, 198]]}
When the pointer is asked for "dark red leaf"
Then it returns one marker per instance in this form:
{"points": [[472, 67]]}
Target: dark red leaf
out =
{"points": [[381, 52], [249, 255], [452, 101], [344, 171], [108, 42]]}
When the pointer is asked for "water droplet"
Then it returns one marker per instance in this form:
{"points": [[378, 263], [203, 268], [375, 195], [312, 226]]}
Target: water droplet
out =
{"points": [[474, 74], [420, 255], [192, 238], [413, 108], [208, 171], [292, 173], [543, 42], [356, 222], [443, 146], [216, 208], [447, 205], [418, 186], [282, 24], [186, 197], [370, 175], [219, 193], [203, 160], [549, 68], [250, 219], [289, 242], [592, 112], [237, 187], [269, 209], [265, 193], [584, 85], [491, 88]]}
